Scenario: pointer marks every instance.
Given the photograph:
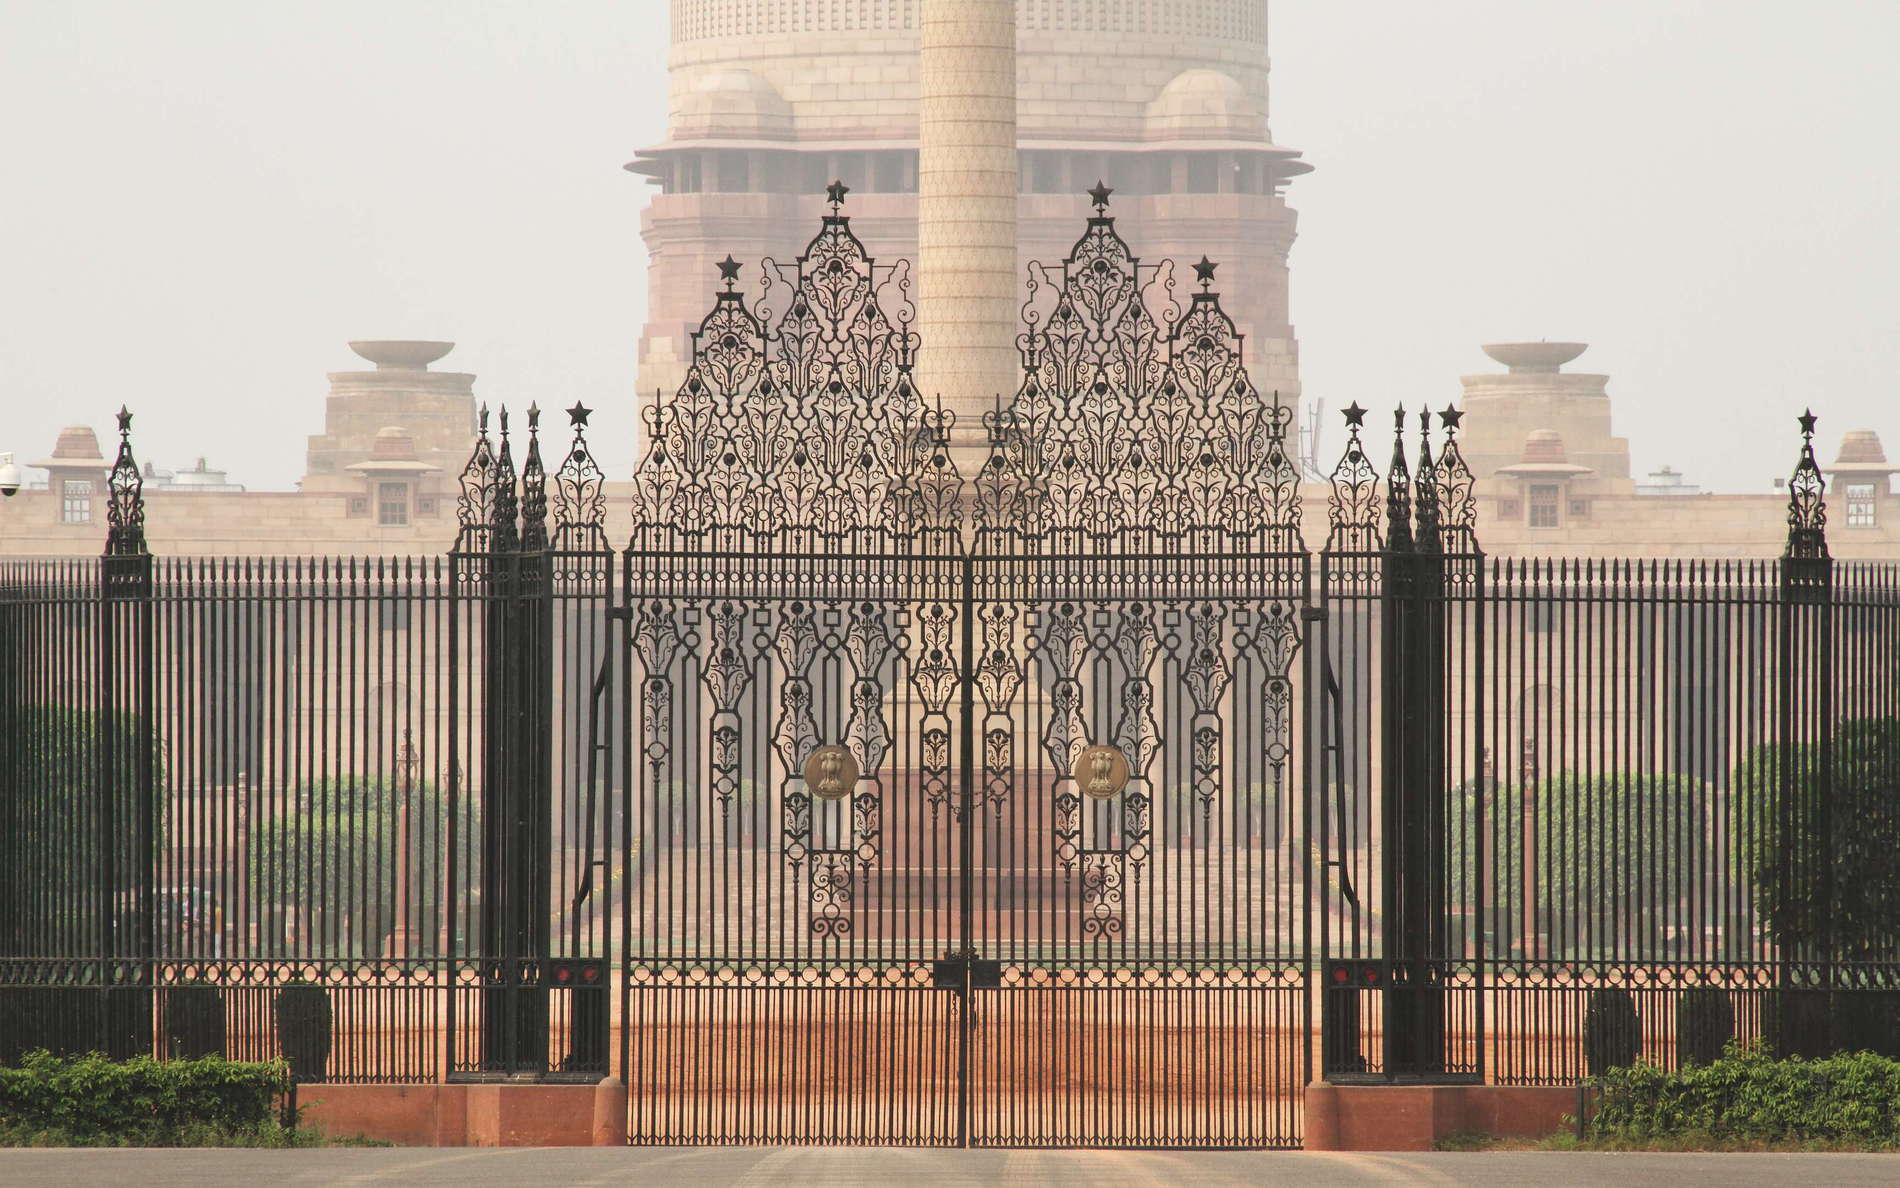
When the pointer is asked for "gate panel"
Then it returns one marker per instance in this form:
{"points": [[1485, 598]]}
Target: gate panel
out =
{"points": [[1150, 986], [782, 920]]}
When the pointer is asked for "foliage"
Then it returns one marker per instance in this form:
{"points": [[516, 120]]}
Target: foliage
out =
{"points": [[50, 820], [1845, 886], [1608, 855], [91, 1099], [329, 864], [1750, 1097]]}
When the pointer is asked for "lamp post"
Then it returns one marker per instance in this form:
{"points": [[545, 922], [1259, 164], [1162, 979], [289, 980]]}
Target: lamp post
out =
{"points": [[402, 940]]}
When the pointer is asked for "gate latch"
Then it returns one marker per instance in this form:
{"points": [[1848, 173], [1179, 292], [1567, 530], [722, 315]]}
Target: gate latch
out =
{"points": [[948, 971]]}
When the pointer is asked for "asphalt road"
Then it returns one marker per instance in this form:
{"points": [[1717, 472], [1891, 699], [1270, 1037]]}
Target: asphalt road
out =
{"points": [[844, 1167]]}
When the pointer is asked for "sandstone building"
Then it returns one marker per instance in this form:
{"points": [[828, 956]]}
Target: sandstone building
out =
{"points": [[1166, 101]]}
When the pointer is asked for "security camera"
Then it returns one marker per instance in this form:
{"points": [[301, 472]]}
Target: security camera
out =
{"points": [[9, 476]]}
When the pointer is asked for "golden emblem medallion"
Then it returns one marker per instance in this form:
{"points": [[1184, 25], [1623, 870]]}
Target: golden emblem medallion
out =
{"points": [[1101, 771], [831, 772]]}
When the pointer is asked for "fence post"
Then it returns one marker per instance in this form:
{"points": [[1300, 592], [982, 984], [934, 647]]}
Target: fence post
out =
{"points": [[1804, 769], [124, 745]]}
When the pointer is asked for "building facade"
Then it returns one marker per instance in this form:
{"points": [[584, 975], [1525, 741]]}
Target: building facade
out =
{"points": [[1165, 101]]}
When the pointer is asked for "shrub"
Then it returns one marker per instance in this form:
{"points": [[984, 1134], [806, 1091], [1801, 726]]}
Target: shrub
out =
{"points": [[1749, 1096], [1611, 1033], [86, 1099], [304, 1023], [194, 1022], [1705, 1023]]}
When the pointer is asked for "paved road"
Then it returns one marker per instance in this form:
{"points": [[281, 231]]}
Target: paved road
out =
{"points": [[844, 1168]]}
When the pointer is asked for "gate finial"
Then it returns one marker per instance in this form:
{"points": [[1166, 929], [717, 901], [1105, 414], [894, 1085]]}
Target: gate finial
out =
{"points": [[1807, 501], [125, 505], [1354, 506], [1398, 491]]}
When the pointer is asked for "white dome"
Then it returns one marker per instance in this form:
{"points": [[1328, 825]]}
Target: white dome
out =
{"points": [[731, 105], [1205, 105]]}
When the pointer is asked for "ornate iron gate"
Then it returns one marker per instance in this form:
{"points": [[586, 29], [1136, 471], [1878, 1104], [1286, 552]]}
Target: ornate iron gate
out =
{"points": [[1010, 802], [966, 811]]}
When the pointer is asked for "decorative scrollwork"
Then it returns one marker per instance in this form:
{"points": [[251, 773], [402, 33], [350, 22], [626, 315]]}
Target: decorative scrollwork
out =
{"points": [[1457, 509], [534, 488], [1807, 501], [504, 534], [1398, 491], [801, 422], [1425, 486], [125, 503], [475, 506], [1353, 510], [1136, 420], [579, 509]]}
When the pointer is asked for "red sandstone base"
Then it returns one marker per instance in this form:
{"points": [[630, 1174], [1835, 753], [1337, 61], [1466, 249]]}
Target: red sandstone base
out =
{"points": [[472, 1115], [1415, 1117]]}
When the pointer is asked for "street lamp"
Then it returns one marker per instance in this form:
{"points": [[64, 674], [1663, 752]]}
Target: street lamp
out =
{"points": [[403, 940]]}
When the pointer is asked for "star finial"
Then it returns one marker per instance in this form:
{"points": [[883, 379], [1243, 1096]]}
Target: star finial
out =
{"points": [[1807, 423], [577, 416], [534, 416], [1355, 416], [835, 192], [1099, 195], [482, 421], [1398, 418], [1450, 417], [1204, 271], [729, 270], [125, 420]]}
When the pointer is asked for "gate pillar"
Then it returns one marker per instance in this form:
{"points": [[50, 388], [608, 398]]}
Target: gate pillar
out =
{"points": [[1803, 1018], [124, 750]]}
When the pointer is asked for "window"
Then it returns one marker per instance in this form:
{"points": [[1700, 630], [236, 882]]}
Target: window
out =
{"points": [[1203, 173], [75, 501], [425, 505], [392, 504], [686, 175], [1860, 505], [1579, 509], [816, 175], [734, 175], [889, 174], [1543, 506], [359, 505], [1161, 173], [1510, 509]]}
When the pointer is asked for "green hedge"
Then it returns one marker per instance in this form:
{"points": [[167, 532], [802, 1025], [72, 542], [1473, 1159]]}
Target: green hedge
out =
{"points": [[142, 1101], [1749, 1096]]}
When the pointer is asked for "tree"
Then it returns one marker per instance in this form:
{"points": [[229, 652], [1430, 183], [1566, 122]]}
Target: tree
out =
{"points": [[51, 823], [1844, 886], [1613, 859], [329, 865]]}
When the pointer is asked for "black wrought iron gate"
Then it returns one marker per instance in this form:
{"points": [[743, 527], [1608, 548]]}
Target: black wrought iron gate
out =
{"points": [[966, 811], [909, 782]]}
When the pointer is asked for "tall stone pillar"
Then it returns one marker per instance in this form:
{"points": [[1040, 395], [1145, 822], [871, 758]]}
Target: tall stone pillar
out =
{"points": [[967, 298]]}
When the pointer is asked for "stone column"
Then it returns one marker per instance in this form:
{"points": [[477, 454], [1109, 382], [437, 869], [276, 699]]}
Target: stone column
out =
{"points": [[967, 299]]}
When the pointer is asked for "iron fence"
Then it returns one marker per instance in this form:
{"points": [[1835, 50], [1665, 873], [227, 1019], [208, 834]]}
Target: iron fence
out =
{"points": [[1073, 800]]}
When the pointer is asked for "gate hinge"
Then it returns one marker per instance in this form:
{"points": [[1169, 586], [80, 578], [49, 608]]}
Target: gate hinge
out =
{"points": [[1312, 614], [948, 971]]}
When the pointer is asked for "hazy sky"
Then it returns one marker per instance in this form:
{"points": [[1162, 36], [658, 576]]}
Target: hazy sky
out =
{"points": [[202, 200]]}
